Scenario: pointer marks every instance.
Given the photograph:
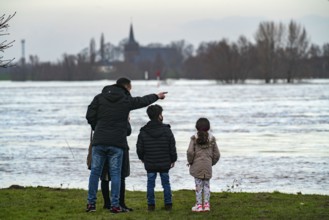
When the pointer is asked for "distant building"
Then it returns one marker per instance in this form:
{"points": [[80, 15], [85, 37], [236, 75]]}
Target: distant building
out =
{"points": [[136, 54]]}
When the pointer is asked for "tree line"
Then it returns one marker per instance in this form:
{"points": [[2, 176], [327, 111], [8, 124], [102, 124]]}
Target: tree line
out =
{"points": [[279, 51]]}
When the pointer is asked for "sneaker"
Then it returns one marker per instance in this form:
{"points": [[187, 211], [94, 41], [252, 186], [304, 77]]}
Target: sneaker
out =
{"points": [[91, 208], [126, 209], [106, 207], [168, 207], [116, 209], [150, 208], [206, 207], [197, 208]]}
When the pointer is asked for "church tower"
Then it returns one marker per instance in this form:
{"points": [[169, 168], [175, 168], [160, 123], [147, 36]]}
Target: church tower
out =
{"points": [[131, 49]]}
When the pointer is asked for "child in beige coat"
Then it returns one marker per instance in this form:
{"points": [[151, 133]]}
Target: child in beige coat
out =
{"points": [[202, 154]]}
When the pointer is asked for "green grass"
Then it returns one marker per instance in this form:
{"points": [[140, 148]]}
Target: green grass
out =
{"points": [[51, 203], [4, 76]]}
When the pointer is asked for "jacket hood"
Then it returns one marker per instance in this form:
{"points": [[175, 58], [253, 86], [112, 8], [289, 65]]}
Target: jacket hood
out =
{"points": [[114, 93], [155, 129]]}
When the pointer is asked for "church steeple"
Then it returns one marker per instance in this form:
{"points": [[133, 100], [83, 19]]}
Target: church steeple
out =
{"points": [[131, 35], [132, 47]]}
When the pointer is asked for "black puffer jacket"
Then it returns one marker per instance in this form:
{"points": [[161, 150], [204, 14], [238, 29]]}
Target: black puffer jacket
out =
{"points": [[108, 114], [156, 146]]}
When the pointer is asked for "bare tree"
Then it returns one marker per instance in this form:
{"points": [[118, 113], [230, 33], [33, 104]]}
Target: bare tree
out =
{"points": [[325, 54], [246, 58], [180, 51], [112, 52], [83, 56], [183, 48], [296, 49], [269, 38], [34, 60], [102, 48], [194, 68], [5, 44], [69, 65], [314, 62], [92, 49], [325, 50], [155, 45], [314, 51], [210, 59], [227, 54], [215, 60]]}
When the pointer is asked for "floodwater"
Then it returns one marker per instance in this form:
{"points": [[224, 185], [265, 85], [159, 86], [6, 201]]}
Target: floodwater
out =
{"points": [[271, 137]]}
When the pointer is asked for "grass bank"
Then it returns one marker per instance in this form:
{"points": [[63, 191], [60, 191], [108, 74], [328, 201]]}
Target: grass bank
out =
{"points": [[51, 203], [4, 76]]}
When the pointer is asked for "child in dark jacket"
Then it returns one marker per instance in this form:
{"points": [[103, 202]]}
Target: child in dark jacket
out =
{"points": [[156, 148]]}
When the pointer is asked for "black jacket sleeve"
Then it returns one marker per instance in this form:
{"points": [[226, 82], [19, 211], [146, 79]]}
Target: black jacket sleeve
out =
{"points": [[140, 102], [173, 151], [128, 129], [91, 115], [140, 147]]}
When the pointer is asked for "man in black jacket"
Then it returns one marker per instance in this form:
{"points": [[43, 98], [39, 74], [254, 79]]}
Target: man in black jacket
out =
{"points": [[108, 116], [156, 148]]}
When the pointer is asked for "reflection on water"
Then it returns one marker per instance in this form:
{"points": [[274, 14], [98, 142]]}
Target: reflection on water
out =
{"points": [[272, 137]]}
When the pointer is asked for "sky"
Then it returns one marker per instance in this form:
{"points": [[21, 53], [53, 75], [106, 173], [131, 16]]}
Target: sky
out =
{"points": [[51, 28]]}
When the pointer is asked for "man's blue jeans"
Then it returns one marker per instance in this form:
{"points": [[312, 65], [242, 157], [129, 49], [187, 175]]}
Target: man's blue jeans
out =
{"points": [[99, 155], [151, 177]]}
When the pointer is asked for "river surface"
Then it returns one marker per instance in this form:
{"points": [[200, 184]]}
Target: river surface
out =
{"points": [[271, 137]]}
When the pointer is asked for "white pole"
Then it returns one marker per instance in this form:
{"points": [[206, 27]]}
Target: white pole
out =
{"points": [[146, 75]]}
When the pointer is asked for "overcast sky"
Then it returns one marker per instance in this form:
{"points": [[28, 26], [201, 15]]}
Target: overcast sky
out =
{"points": [[51, 28]]}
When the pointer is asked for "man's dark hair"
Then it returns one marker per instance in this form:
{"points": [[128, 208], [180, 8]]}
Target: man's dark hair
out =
{"points": [[123, 82], [154, 111]]}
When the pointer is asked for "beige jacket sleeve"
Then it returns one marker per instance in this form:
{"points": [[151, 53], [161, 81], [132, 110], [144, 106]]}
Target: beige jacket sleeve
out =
{"points": [[216, 153]]}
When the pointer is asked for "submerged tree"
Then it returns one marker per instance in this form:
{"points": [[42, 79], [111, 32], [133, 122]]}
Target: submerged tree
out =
{"points": [[325, 54], [5, 44], [92, 53], [269, 38], [246, 58], [296, 49], [102, 48]]}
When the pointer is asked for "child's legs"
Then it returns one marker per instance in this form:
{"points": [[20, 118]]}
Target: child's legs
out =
{"points": [[206, 191], [166, 188], [198, 190], [150, 188]]}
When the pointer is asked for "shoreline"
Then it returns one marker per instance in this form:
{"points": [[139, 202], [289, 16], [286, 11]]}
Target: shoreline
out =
{"points": [[14, 187]]}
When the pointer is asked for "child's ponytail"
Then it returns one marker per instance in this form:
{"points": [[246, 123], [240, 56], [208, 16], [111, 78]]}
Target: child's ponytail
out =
{"points": [[203, 126]]}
